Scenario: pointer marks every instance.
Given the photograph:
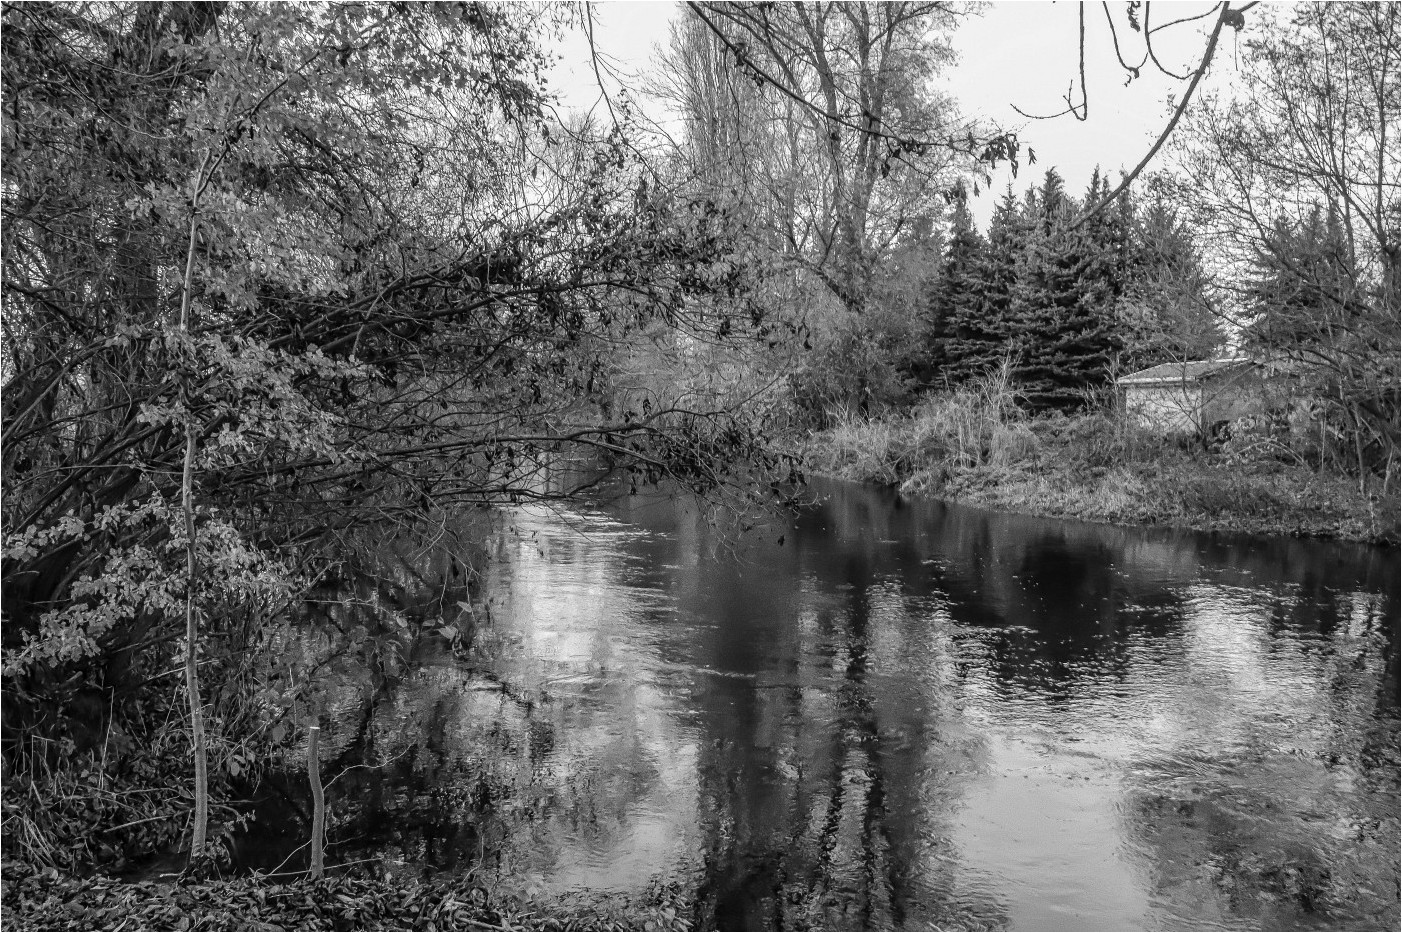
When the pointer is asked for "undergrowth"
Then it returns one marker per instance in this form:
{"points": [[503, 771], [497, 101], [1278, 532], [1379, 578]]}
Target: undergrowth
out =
{"points": [[47, 900], [976, 446]]}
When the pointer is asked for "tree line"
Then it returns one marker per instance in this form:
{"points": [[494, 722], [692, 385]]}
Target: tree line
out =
{"points": [[1068, 304], [1269, 228]]}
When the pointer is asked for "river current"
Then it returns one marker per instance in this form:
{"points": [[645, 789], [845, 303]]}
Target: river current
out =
{"points": [[896, 714]]}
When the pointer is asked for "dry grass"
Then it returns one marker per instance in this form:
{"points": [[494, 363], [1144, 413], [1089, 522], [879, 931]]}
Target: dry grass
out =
{"points": [[978, 425], [975, 446]]}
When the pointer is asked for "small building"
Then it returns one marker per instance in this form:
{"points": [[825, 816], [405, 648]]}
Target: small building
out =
{"points": [[1192, 397]]}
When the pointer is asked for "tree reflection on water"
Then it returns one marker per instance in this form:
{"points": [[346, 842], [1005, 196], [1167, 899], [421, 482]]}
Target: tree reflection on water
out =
{"points": [[908, 715]]}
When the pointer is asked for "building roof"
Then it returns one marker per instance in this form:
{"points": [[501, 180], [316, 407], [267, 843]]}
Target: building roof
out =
{"points": [[1170, 373]]}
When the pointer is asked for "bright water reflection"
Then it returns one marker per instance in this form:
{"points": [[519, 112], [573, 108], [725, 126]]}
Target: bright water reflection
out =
{"points": [[913, 716]]}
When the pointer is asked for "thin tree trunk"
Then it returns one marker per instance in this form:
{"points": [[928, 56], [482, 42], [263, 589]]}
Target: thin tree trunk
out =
{"points": [[192, 673], [318, 801], [1359, 455], [200, 828]]}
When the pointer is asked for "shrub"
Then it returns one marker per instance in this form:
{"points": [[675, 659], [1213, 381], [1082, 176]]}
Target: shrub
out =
{"points": [[1011, 443]]}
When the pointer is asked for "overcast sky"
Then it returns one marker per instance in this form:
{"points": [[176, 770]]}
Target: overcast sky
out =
{"points": [[1021, 53]]}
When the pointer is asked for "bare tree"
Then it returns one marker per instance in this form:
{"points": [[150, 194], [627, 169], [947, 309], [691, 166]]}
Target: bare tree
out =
{"points": [[1308, 141], [828, 144]]}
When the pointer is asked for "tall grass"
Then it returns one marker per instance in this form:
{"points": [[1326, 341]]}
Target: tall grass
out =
{"points": [[976, 445], [976, 425]]}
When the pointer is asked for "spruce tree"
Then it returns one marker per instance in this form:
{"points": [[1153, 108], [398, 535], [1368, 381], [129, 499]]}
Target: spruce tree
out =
{"points": [[1106, 241], [955, 308], [1301, 287], [1107, 236], [985, 333], [1061, 309], [1166, 312]]}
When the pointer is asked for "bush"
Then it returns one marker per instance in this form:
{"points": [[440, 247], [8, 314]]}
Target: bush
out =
{"points": [[1257, 439], [1011, 443]]}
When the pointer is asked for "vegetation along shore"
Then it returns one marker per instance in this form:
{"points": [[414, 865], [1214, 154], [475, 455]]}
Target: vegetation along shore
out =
{"points": [[976, 445]]}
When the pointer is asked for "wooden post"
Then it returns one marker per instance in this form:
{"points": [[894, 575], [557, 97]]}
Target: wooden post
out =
{"points": [[318, 800]]}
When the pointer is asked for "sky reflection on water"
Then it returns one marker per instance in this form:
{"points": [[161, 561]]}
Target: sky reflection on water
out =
{"points": [[914, 715]]}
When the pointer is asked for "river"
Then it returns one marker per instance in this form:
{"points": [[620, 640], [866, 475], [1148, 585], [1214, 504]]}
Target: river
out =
{"points": [[895, 714]]}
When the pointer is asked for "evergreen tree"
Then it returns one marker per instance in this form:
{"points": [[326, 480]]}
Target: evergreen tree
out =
{"points": [[1165, 312], [955, 305], [1301, 287], [981, 338], [1313, 308], [1107, 243], [1061, 309], [1107, 237], [1049, 202]]}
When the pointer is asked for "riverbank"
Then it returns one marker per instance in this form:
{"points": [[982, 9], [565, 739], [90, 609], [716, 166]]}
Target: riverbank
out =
{"points": [[1096, 468], [49, 900]]}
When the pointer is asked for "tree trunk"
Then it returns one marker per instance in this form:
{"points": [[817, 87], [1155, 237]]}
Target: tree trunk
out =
{"points": [[200, 826], [318, 802], [192, 673]]}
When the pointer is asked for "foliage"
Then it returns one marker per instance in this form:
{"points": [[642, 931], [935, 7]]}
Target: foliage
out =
{"points": [[861, 363], [1298, 273], [987, 337], [71, 803], [342, 901], [956, 318], [344, 258], [1071, 302], [852, 71], [980, 423], [1167, 311], [404, 289], [1061, 321]]}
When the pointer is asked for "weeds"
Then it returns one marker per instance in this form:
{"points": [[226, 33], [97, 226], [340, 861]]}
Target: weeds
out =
{"points": [[344, 901], [975, 445]]}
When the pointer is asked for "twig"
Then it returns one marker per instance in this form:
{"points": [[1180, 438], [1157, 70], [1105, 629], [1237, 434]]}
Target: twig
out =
{"points": [[149, 819], [743, 58], [293, 874], [1222, 17], [277, 873], [1149, 47], [594, 60], [1115, 37]]}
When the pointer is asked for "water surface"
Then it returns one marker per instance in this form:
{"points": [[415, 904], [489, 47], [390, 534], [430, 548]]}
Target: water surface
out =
{"points": [[906, 715]]}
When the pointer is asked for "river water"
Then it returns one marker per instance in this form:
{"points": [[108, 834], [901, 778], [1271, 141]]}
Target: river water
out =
{"points": [[895, 714]]}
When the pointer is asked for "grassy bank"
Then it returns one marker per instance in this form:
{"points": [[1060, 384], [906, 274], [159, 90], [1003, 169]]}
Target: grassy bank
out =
{"points": [[975, 447]]}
